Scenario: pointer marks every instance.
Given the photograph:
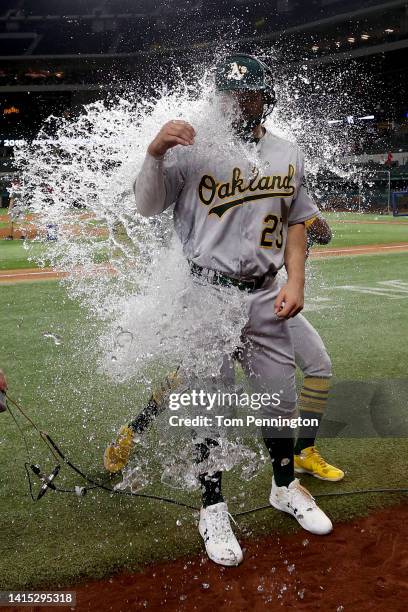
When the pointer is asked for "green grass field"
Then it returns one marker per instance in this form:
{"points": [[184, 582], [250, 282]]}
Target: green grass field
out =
{"points": [[13, 255], [356, 216], [354, 234], [63, 539]]}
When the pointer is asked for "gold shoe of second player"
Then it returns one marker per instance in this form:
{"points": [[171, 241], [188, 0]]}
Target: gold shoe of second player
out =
{"points": [[117, 454], [311, 462]]}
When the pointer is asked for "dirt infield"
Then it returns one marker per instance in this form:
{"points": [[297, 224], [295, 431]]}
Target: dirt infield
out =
{"points": [[29, 274], [30, 232], [362, 566], [35, 274]]}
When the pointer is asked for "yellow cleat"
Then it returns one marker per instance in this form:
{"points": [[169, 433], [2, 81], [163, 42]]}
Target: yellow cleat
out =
{"points": [[311, 462], [117, 455]]}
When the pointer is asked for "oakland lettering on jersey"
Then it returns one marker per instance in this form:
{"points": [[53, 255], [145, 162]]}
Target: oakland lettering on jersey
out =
{"points": [[273, 186]]}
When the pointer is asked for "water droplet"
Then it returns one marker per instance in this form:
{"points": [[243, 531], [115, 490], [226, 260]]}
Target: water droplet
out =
{"points": [[285, 461], [57, 339]]}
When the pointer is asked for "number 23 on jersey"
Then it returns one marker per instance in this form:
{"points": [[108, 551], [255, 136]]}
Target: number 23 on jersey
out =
{"points": [[272, 233]]}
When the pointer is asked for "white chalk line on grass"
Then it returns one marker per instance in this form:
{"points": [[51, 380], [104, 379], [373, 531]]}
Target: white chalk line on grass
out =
{"points": [[363, 248]]}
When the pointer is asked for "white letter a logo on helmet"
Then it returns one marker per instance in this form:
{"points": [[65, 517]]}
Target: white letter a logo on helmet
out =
{"points": [[237, 72]]}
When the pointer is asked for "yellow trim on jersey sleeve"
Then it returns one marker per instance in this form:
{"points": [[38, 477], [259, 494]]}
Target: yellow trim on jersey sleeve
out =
{"points": [[310, 222]]}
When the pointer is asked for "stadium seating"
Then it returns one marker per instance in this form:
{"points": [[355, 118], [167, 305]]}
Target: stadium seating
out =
{"points": [[14, 46], [130, 6], [58, 7], [6, 5], [73, 39]]}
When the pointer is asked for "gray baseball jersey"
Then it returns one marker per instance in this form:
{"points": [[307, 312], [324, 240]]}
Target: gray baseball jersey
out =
{"points": [[232, 215], [229, 214]]}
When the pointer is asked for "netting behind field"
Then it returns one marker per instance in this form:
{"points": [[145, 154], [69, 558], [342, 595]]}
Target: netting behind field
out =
{"points": [[357, 193]]}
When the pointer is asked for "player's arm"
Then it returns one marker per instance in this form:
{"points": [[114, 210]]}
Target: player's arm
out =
{"points": [[3, 381], [3, 389], [319, 231], [290, 299], [159, 182]]}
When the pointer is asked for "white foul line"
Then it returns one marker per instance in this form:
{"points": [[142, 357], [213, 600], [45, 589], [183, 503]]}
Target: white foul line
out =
{"points": [[363, 248]]}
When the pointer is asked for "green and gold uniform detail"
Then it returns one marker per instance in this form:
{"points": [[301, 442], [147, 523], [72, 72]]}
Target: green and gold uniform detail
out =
{"points": [[272, 224], [269, 186], [314, 394], [232, 205]]}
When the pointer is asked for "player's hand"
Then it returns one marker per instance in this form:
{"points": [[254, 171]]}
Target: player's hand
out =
{"points": [[176, 132], [290, 300], [3, 381]]}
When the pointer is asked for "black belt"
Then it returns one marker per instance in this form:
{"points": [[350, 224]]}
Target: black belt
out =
{"points": [[217, 278]]}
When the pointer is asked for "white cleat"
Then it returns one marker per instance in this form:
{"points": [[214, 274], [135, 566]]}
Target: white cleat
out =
{"points": [[220, 542], [297, 501]]}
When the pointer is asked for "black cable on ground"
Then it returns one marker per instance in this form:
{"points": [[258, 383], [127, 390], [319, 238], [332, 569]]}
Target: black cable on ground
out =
{"points": [[57, 452], [332, 494]]}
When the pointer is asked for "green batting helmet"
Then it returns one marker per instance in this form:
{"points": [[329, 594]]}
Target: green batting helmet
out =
{"points": [[241, 72]]}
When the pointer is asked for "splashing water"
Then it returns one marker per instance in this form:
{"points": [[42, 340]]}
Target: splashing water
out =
{"points": [[57, 339], [182, 473], [173, 320], [128, 271]]}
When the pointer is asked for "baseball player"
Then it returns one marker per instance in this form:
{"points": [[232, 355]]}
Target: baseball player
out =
{"points": [[238, 226], [312, 358]]}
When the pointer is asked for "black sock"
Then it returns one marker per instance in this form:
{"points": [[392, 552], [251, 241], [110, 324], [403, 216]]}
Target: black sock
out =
{"points": [[211, 489], [145, 417], [307, 435], [302, 443], [210, 483], [281, 453]]}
